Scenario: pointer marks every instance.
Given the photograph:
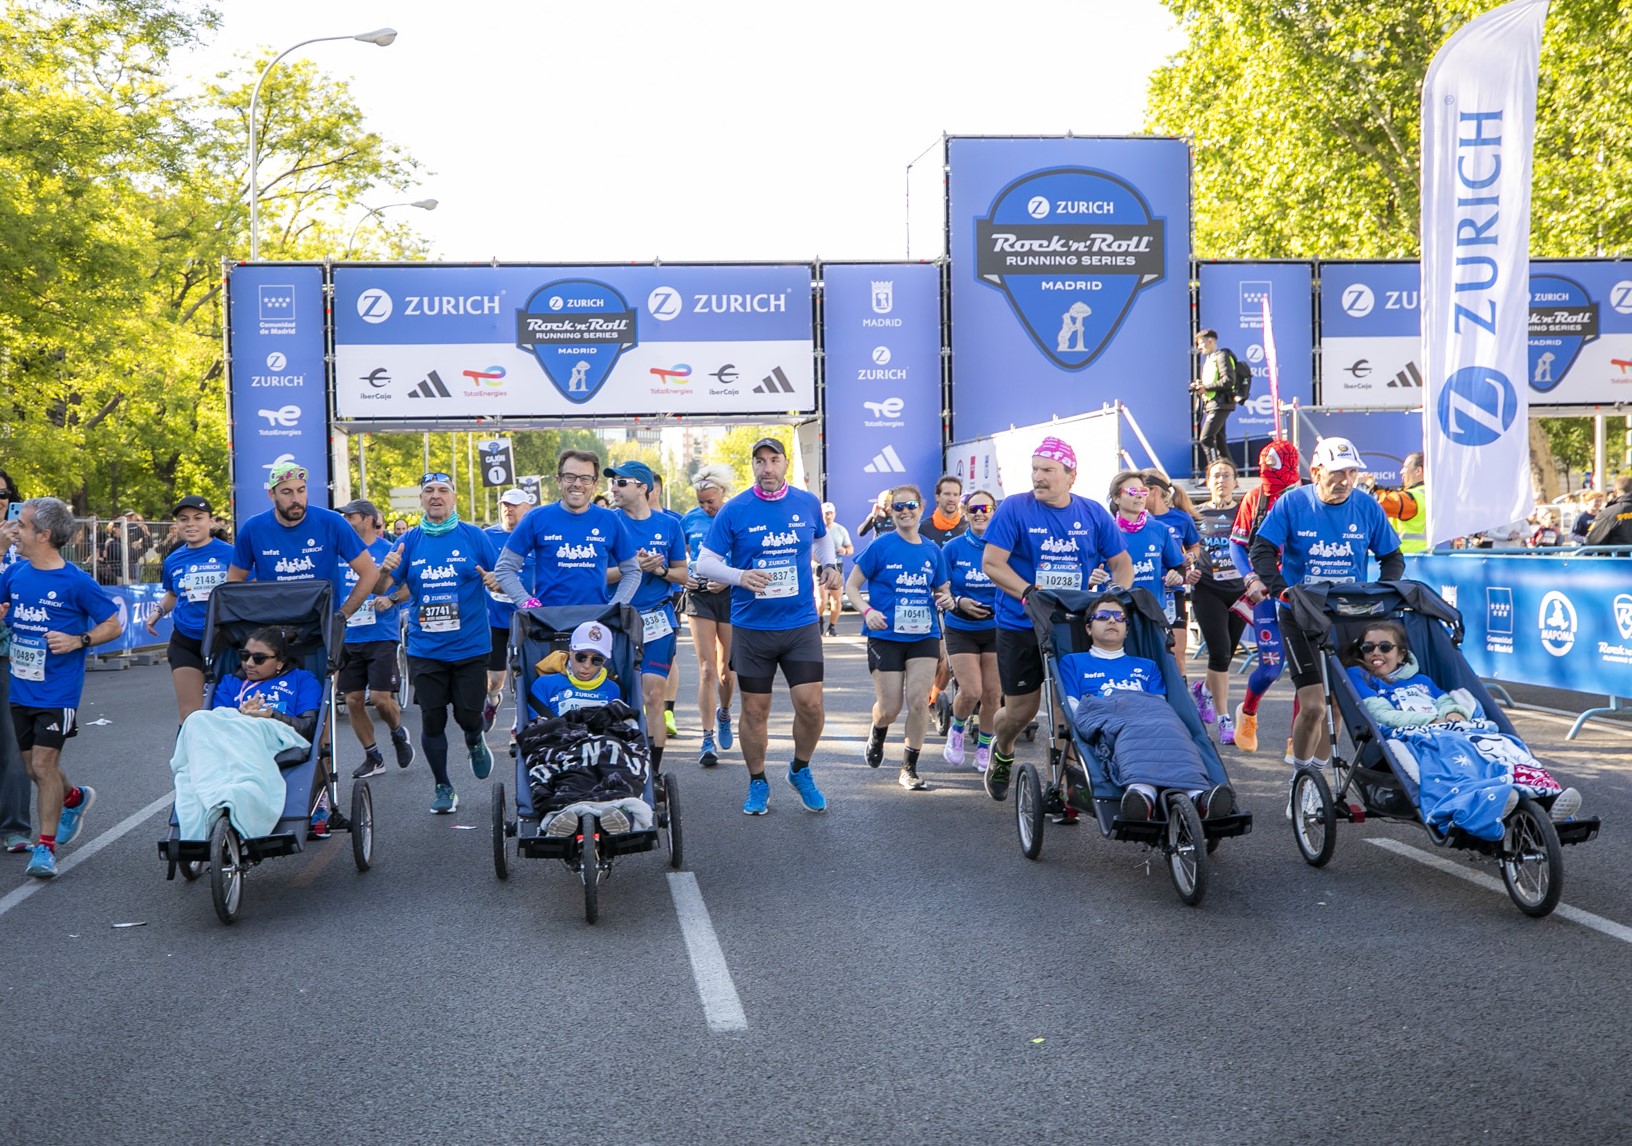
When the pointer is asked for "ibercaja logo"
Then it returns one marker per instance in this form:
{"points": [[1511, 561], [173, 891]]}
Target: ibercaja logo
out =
{"points": [[577, 329], [1070, 248], [1563, 319]]}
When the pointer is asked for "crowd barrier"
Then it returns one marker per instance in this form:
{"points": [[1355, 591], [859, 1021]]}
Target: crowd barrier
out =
{"points": [[1558, 620]]}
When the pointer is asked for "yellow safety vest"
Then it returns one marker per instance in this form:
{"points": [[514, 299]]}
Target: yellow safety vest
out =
{"points": [[1414, 533]]}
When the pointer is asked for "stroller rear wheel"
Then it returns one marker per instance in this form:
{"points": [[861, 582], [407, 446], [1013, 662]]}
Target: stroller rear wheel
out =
{"points": [[1028, 811], [362, 825], [226, 869], [590, 858], [1532, 860], [1314, 817], [501, 848], [1185, 845], [671, 799]]}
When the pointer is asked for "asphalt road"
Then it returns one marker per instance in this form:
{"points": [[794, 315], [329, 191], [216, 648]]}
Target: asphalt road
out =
{"points": [[902, 972]]}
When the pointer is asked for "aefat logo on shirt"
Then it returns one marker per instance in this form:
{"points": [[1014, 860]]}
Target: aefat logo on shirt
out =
{"points": [[774, 539], [576, 552], [1057, 545], [31, 613], [294, 565], [1332, 549]]}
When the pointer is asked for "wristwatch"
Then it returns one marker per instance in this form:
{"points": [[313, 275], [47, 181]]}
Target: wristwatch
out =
{"points": [[84, 640]]}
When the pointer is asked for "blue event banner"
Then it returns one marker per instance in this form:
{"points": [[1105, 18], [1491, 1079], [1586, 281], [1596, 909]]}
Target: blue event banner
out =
{"points": [[882, 337], [1231, 302], [1370, 349], [1384, 437], [1070, 283], [414, 343], [277, 379], [1536, 618]]}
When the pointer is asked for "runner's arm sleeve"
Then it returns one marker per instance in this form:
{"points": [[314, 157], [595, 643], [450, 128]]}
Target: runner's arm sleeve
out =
{"points": [[712, 567], [508, 571], [1392, 566], [628, 580], [1266, 562], [1239, 558]]}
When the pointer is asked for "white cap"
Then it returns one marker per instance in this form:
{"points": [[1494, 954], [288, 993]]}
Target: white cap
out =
{"points": [[1336, 454], [516, 497], [592, 636], [829, 507]]}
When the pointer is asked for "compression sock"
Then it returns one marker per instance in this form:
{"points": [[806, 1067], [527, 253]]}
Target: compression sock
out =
{"points": [[436, 754], [1249, 703], [49, 842], [798, 765], [657, 758], [910, 757], [958, 722], [73, 799], [878, 734]]}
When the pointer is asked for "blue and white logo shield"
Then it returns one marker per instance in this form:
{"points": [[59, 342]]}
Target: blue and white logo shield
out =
{"points": [[577, 329], [1563, 319], [1070, 248]]}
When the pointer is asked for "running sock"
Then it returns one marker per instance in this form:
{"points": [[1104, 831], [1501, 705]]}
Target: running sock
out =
{"points": [[371, 750], [752, 776], [983, 739], [73, 799], [910, 757], [473, 738], [50, 843], [436, 755], [1249, 703], [399, 733], [668, 706], [958, 722], [657, 758], [878, 734], [798, 765], [999, 758]]}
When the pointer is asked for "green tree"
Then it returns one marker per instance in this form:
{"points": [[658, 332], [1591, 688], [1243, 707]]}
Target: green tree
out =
{"points": [[731, 449]]}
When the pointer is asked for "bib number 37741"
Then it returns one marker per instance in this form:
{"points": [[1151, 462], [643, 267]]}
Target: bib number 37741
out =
{"points": [[439, 617]]}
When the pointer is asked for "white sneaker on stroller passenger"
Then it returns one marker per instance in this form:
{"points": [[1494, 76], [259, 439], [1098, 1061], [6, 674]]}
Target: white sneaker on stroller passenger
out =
{"points": [[1565, 805]]}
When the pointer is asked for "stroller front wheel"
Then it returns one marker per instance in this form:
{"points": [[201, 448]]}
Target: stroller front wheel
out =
{"points": [[590, 858], [1028, 811], [226, 869], [1314, 817], [1532, 860], [1186, 849]]}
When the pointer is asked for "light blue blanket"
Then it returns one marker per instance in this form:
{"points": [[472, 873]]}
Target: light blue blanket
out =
{"points": [[224, 759]]}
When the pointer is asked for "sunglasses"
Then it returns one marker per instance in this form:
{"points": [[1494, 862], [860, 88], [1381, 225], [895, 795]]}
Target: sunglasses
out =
{"points": [[427, 479], [904, 506], [980, 510], [259, 658], [623, 482], [589, 658], [1369, 647], [1134, 490], [1110, 615], [575, 479]]}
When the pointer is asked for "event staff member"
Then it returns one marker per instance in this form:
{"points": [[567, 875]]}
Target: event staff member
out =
{"points": [[191, 571], [368, 659], [55, 611], [1613, 525], [971, 632], [947, 521], [708, 610], [1407, 507], [1278, 464], [1323, 533], [1213, 599], [660, 551], [761, 543], [514, 504], [16, 793], [906, 582], [443, 562], [294, 542], [1050, 539], [573, 543]]}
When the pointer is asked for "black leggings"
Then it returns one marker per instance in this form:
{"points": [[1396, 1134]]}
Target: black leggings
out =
{"points": [[1220, 626]]}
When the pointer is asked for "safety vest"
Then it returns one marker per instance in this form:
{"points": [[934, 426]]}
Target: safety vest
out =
{"points": [[1414, 533]]}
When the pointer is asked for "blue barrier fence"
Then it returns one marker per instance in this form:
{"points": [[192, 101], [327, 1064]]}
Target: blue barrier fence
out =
{"points": [[136, 603]]}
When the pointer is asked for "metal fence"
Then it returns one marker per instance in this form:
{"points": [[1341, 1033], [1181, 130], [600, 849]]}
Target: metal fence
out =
{"points": [[126, 550]]}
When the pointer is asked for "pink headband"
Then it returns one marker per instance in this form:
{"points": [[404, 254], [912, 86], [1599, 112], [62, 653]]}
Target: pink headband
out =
{"points": [[1057, 451]]}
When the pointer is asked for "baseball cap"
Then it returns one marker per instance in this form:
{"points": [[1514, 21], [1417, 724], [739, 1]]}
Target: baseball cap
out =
{"points": [[773, 443], [829, 507], [192, 501], [592, 636], [1336, 454], [516, 497], [285, 471], [367, 508], [640, 471]]}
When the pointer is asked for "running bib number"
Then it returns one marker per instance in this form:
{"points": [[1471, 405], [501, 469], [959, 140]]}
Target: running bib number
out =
{"points": [[28, 662], [655, 625], [363, 616], [912, 620], [197, 586], [1064, 578], [784, 581], [1171, 610], [439, 617]]}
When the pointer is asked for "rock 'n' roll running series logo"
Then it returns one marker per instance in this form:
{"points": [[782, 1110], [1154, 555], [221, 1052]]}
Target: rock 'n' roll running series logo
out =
{"points": [[577, 329], [1563, 319], [1071, 248]]}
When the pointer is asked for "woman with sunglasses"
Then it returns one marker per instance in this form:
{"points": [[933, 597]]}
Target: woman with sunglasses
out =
{"points": [[1213, 599], [971, 632], [907, 583], [580, 679], [1158, 562]]}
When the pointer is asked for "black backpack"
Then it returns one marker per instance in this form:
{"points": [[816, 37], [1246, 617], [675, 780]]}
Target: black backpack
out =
{"points": [[1240, 378]]}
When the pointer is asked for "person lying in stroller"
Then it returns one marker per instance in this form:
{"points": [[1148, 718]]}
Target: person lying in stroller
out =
{"points": [[1123, 713], [577, 678], [1468, 772]]}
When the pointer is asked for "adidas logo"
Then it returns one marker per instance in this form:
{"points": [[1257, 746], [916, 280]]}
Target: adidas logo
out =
{"points": [[432, 387], [775, 382], [885, 462], [1407, 379]]}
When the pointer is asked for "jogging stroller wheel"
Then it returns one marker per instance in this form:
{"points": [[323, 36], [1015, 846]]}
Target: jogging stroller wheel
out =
{"points": [[1185, 845], [1314, 817], [362, 825], [501, 849], [226, 869], [1028, 811], [1532, 860], [590, 858], [943, 711], [671, 794]]}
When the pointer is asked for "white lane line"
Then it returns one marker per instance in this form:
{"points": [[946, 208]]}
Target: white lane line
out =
{"points": [[1574, 914], [79, 855], [721, 1006], [1567, 719]]}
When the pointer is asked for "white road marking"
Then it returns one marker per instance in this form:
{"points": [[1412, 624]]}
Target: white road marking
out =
{"points": [[1574, 914], [79, 855], [721, 1006], [1567, 719]]}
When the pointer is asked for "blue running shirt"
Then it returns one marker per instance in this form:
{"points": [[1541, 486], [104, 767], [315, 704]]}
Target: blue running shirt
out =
{"points": [[45, 601], [1095, 673], [1154, 551], [963, 565], [572, 552], [369, 623], [499, 608], [293, 693], [191, 573], [901, 579], [696, 523], [268, 550], [661, 532], [1320, 542], [1050, 548], [447, 612], [776, 536], [561, 692]]}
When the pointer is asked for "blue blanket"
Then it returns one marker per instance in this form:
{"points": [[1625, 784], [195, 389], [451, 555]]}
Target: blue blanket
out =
{"points": [[1137, 738], [1458, 785], [224, 759]]}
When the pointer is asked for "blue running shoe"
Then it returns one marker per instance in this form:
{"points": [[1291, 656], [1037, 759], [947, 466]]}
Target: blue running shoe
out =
{"points": [[481, 759], [446, 801], [805, 784], [72, 818], [722, 718], [759, 798], [708, 758], [42, 864]]}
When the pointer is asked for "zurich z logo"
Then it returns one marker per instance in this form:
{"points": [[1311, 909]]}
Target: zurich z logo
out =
{"points": [[1476, 406], [1563, 319], [1070, 248], [577, 329]]}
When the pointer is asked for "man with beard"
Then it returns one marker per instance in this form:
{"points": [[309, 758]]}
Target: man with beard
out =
{"points": [[294, 542]]}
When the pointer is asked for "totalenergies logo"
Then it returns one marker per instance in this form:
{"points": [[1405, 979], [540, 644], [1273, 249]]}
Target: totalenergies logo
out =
{"points": [[677, 375], [492, 376]]}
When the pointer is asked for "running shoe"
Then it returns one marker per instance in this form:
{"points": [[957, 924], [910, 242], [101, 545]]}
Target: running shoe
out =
{"points": [[953, 752], [42, 864], [983, 756], [875, 751], [17, 843], [805, 784], [1566, 804], [909, 779], [1290, 758], [319, 829], [481, 759], [1135, 805], [614, 822], [1218, 801], [669, 724], [759, 797], [1204, 702], [490, 711], [1246, 730], [997, 778], [1226, 729], [446, 801], [74, 818], [405, 747], [561, 825], [706, 758], [832, 630], [722, 721], [373, 764]]}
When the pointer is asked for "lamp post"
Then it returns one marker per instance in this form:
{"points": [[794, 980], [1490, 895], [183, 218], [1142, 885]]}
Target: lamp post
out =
{"points": [[422, 204], [381, 36]]}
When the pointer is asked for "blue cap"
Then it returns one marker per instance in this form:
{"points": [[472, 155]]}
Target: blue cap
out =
{"points": [[640, 471]]}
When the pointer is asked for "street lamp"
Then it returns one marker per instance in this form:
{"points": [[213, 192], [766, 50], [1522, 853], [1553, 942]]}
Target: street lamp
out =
{"points": [[422, 204], [381, 36]]}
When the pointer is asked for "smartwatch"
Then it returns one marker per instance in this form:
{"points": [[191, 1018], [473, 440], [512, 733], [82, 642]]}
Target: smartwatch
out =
{"points": [[84, 640]]}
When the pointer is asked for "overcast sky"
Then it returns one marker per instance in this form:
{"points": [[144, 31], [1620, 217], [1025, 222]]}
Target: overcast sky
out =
{"points": [[714, 130]]}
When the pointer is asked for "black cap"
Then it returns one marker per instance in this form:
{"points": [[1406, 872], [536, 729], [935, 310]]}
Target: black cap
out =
{"points": [[773, 443], [192, 501]]}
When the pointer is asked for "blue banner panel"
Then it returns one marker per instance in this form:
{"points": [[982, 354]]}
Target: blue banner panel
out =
{"points": [[276, 377], [1561, 622], [1232, 302], [434, 342], [1383, 437], [136, 603], [1070, 271], [881, 331], [1370, 341]]}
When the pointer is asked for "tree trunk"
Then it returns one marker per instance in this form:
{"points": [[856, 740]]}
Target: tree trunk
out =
{"points": [[1543, 467]]}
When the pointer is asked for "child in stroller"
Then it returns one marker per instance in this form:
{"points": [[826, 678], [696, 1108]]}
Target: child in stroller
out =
{"points": [[578, 678]]}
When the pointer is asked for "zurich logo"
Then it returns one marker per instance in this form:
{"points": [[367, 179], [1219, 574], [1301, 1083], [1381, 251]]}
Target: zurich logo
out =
{"points": [[1070, 248], [664, 303], [1477, 406], [578, 341], [1358, 301], [1563, 319], [374, 305]]}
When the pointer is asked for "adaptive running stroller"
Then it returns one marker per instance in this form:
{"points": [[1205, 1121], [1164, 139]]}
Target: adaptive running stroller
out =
{"points": [[590, 851], [1077, 777], [1529, 852], [237, 609]]}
